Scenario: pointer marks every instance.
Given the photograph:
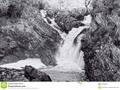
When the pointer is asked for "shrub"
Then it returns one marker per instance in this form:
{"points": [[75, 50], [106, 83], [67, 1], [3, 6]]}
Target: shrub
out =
{"points": [[14, 11]]}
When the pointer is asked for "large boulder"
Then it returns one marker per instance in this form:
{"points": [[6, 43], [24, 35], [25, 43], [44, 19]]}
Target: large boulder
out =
{"points": [[33, 74]]}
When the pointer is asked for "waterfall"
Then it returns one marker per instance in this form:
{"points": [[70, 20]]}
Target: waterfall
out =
{"points": [[70, 56]]}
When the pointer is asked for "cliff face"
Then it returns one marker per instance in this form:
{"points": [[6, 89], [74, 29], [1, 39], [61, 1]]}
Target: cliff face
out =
{"points": [[24, 34], [101, 44]]}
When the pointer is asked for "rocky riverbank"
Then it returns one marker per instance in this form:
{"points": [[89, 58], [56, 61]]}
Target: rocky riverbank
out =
{"points": [[28, 73], [101, 45]]}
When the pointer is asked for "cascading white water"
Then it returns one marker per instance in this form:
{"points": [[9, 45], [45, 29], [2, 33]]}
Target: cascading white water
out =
{"points": [[70, 56]]}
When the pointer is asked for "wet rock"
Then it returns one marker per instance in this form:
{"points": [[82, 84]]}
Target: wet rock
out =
{"points": [[78, 13], [67, 22], [77, 24], [48, 20], [80, 17], [33, 74]]}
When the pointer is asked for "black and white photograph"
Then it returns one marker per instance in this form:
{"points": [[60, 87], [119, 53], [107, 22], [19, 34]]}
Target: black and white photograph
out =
{"points": [[59, 40]]}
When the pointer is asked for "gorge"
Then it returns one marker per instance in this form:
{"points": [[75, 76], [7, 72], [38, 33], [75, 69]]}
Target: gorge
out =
{"points": [[74, 43]]}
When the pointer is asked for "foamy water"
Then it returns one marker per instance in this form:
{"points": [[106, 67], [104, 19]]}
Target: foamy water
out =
{"points": [[69, 56], [33, 62]]}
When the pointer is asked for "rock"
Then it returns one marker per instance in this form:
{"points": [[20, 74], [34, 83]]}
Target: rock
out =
{"points": [[33, 74], [48, 20], [9, 59], [78, 14], [24, 33], [77, 24], [101, 44], [27, 74], [66, 22], [14, 11], [80, 17], [12, 75], [50, 13]]}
